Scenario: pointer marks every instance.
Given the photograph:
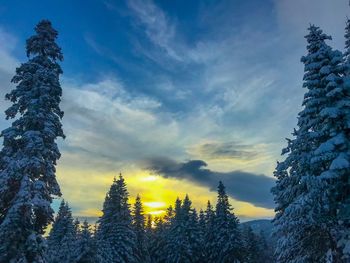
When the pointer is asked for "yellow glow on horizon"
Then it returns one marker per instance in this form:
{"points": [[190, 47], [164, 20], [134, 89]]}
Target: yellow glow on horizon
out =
{"points": [[159, 212], [149, 178], [86, 190], [154, 204]]}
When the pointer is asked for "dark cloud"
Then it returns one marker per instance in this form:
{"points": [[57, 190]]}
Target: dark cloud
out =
{"points": [[242, 186]]}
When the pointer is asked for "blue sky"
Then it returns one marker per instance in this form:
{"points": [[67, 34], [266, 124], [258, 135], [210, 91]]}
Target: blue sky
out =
{"points": [[150, 86]]}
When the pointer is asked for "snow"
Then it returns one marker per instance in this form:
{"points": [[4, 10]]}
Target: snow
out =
{"points": [[340, 163]]}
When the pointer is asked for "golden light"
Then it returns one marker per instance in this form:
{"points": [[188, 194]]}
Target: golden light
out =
{"points": [[157, 193], [155, 204], [158, 212], [149, 178]]}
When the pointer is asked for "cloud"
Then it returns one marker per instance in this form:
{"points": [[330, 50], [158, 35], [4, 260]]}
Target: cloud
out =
{"points": [[226, 150], [242, 186], [109, 127], [157, 26]]}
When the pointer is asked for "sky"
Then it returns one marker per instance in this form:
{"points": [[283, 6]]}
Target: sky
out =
{"points": [[175, 95]]}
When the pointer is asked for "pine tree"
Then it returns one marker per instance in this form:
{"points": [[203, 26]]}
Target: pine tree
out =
{"points": [[29, 153], [116, 238], [183, 243], [139, 229], [86, 245], [176, 248], [62, 239], [149, 221], [265, 249], [250, 247], [333, 155], [192, 230], [226, 235], [157, 241], [77, 227], [305, 191], [209, 235], [202, 226]]}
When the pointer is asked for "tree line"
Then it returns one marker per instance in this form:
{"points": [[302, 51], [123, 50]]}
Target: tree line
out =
{"points": [[125, 234]]}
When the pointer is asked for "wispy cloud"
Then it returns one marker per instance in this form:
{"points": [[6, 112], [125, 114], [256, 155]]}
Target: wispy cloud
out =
{"points": [[105, 121], [157, 27], [227, 150]]}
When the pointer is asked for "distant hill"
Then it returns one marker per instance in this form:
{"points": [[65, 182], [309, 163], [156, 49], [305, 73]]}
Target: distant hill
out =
{"points": [[260, 225], [264, 227]]}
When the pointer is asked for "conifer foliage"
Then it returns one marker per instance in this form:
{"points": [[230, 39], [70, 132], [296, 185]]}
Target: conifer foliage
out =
{"points": [[63, 237], [29, 153], [139, 224], [115, 236], [312, 189], [86, 246], [226, 239]]}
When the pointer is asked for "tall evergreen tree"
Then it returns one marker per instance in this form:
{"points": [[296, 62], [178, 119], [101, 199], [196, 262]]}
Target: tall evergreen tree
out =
{"points": [[86, 245], [333, 155], [226, 236], [183, 242], [202, 225], [176, 249], [250, 246], [209, 235], [191, 230], [116, 238], [139, 229], [307, 179], [62, 239], [157, 241], [29, 153]]}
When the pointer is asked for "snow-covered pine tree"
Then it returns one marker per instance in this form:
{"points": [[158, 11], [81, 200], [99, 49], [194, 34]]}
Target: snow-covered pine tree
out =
{"points": [[29, 153], [226, 235], [202, 225], [116, 239], [177, 249], [157, 241], [333, 155], [150, 237], [191, 230], [303, 191], [168, 217], [266, 249], [343, 192], [86, 245], [183, 239], [77, 226], [209, 236], [139, 229], [62, 239], [250, 247]]}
